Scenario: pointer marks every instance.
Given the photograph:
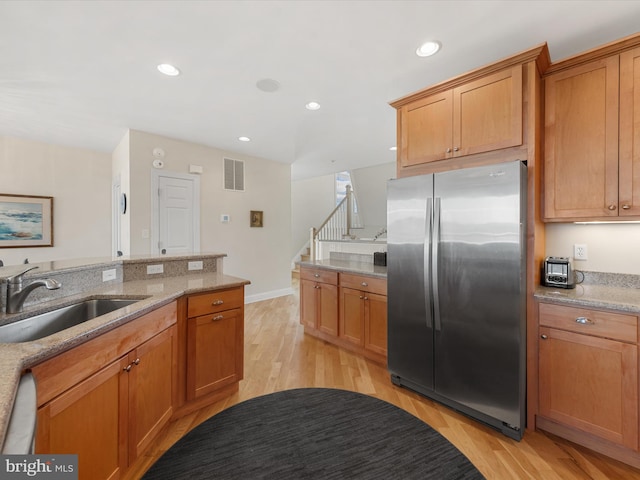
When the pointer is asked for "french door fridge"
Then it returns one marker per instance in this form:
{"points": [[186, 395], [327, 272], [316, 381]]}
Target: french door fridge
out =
{"points": [[456, 265]]}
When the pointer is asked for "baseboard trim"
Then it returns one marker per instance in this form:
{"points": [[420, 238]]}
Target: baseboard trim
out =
{"points": [[283, 292]]}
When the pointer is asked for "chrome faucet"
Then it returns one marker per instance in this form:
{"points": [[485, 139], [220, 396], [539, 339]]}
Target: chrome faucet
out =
{"points": [[16, 294]]}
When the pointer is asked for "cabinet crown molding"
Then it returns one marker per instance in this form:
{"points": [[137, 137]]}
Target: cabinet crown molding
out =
{"points": [[539, 54], [612, 48]]}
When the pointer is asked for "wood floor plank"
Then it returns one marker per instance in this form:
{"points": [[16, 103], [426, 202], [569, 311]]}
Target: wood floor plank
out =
{"points": [[278, 356]]}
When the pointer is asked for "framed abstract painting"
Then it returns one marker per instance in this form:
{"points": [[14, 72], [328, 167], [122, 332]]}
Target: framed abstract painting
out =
{"points": [[26, 221]]}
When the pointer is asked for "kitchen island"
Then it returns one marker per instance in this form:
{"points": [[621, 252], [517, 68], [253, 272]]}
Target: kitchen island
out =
{"points": [[172, 292]]}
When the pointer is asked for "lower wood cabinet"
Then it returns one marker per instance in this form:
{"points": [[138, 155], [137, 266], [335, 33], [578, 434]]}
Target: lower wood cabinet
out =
{"points": [[215, 341], [588, 378], [109, 416], [346, 309]]}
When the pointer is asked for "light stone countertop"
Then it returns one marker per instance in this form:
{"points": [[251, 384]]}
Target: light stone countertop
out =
{"points": [[362, 268], [16, 357], [610, 297]]}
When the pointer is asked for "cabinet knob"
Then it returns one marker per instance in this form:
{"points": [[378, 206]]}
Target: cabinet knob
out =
{"points": [[218, 302], [136, 361], [366, 298], [361, 297], [128, 368], [584, 321], [317, 275], [218, 317], [611, 207], [626, 206], [364, 284], [448, 150], [456, 149], [543, 336]]}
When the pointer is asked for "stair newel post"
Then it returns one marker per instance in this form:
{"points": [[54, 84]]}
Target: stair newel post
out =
{"points": [[349, 207], [312, 244]]}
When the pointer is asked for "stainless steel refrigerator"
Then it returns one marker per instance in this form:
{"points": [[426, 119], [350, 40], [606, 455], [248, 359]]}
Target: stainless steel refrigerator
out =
{"points": [[456, 265]]}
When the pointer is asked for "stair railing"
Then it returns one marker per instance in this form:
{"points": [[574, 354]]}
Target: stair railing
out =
{"points": [[337, 226]]}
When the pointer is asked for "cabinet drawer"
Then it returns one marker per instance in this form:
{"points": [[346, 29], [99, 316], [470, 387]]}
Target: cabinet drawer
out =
{"points": [[364, 283], [212, 302], [590, 322], [319, 275]]}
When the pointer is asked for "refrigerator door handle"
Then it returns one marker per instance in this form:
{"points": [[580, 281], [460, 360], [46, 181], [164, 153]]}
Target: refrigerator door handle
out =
{"points": [[435, 242], [428, 226]]}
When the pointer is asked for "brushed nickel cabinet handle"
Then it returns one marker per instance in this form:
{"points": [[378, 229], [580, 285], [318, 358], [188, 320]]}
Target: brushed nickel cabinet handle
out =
{"points": [[456, 149], [543, 336], [626, 206], [218, 302], [361, 297], [611, 207], [317, 275], [218, 317], [136, 361], [448, 150], [364, 284], [128, 368], [584, 321], [366, 298]]}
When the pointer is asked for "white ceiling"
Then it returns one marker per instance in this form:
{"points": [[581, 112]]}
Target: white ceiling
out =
{"points": [[81, 73]]}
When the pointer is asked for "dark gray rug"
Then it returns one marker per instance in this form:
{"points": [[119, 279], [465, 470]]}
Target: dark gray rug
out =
{"points": [[313, 433]]}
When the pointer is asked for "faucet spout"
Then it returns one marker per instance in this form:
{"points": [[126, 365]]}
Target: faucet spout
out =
{"points": [[16, 294]]}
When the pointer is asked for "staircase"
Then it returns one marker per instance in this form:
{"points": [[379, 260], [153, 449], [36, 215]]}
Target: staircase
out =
{"points": [[295, 273]]}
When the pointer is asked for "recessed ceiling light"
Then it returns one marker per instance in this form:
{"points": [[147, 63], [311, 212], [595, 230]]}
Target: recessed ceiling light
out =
{"points": [[244, 139], [428, 48], [312, 106], [168, 70], [393, 149]]}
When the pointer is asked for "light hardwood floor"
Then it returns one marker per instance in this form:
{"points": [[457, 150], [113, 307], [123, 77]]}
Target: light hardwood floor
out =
{"points": [[279, 356]]}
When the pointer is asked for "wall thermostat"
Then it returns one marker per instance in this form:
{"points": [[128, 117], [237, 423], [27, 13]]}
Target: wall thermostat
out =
{"points": [[158, 163]]}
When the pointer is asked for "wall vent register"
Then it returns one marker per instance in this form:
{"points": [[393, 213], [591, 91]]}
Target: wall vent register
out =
{"points": [[233, 174]]}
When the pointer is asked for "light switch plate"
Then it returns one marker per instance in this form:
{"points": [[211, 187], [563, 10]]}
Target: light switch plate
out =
{"points": [[196, 265]]}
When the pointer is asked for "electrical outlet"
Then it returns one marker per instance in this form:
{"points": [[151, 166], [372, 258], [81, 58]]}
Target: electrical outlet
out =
{"points": [[153, 269], [197, 265], [579, 251], [108, 275]]}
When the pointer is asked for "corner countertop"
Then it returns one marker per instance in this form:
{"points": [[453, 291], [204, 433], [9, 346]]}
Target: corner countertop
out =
{"points": [[154, 293], [610, 297], [362, 268]]}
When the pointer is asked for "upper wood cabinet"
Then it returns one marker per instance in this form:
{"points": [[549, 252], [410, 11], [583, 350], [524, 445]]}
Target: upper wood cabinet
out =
{"points": [[592, 158], [479, 116]]}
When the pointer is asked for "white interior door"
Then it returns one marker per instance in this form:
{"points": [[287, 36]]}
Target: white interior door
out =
{"points": [[177, 213]]}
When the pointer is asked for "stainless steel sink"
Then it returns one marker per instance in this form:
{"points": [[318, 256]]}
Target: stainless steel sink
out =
{"points": [[39, 326]]}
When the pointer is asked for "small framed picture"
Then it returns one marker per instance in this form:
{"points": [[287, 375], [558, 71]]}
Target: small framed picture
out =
{"points": [[256, 218], [26, 221]]}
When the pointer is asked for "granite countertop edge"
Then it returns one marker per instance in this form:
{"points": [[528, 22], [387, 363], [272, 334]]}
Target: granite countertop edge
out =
{"points": [[616, 298], [153, 294], [361, 268]]}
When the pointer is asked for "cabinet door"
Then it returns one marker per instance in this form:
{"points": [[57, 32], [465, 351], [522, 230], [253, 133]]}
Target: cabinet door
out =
{"points": [[328, 308], [425, 130], [487, 113], [214, 352], [151, 379], [375, 323], [308, 303], [590, 383], [629, 161], [581, 141], [352, 315], [89, 420]]}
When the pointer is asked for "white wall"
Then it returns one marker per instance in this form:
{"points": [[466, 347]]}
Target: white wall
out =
{"points": [[612, 248], [312, 200], [261, 255], [79, 181], [370, 185]]}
